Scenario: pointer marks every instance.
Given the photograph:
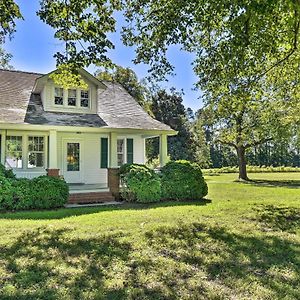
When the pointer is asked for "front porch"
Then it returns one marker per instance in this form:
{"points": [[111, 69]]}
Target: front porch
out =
{"points": [[87, 160]]}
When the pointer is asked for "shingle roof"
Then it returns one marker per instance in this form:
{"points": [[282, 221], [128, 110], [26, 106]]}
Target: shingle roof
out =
{"points": [[116, 108]]}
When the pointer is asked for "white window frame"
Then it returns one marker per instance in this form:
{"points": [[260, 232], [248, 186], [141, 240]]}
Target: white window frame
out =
{"points": [[89, 99], [124, 151], [22, 150], [68, 97], [25, 149], [63, 96], [36, 151]]}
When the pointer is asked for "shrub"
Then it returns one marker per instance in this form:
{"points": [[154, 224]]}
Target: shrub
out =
{"points": [[182, 180], [49, 192], [6, 173], [139, 184], [38, 193]]}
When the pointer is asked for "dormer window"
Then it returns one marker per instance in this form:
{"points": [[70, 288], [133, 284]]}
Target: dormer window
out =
{"points": [[84, 98], [72, 97], [59, 96]]}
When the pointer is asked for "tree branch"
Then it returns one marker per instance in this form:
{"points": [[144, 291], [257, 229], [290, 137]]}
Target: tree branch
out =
{"points": [[290, 52], [262, 141], [227, 143]]}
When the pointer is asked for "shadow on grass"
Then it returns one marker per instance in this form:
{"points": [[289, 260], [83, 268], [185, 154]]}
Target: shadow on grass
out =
{"points": [[187, 261], [279, 218], [70, 212], [292, 184]]}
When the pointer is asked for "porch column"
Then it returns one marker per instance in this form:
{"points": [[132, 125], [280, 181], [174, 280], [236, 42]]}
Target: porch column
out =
{"points": [[113, 170], [163, 149], [113, 159], [3, 148], [53, 163]]}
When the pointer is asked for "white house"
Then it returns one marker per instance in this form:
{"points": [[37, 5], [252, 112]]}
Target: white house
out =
{"points": [[78, 134]]}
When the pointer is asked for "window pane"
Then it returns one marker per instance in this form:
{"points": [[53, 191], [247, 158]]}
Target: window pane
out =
{"points": [[120, 160], [73, 157], [120, 146], [59, 96], [84, 98], [35, 160], [72, 97], [14, 152], [120, 152], [36, 152]]}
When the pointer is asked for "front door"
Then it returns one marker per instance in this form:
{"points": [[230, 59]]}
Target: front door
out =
{"points": [[72, 161]]}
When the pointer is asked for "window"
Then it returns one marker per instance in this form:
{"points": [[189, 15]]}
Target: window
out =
{"points": [[73, 157], [120, 152], [59, 96], [84, 98], [72, 97], [14, 152], [36, 152]]}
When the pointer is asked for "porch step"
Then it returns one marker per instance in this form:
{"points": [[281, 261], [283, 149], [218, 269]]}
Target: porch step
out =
{"points": [[90, 197]]}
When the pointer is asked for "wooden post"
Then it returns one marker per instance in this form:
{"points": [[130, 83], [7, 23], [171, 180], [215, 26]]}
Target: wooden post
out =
{"points": [[53, 169], [163, 149]]}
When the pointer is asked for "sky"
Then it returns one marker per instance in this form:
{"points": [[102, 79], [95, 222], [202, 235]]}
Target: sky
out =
{"points": [[34, 45]]}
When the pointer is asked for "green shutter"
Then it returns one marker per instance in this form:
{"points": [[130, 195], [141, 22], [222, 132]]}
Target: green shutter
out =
{"points": [[104, 153], [130, 151]]}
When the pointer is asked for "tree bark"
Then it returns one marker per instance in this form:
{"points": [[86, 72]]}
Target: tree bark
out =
{"points": [[242, 163]]}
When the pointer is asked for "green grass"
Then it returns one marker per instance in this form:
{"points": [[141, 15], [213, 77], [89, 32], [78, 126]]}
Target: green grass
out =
{"points": [[242, 243]]}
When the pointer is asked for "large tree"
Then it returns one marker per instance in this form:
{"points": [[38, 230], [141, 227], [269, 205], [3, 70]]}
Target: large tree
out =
{"points": [[245, 51]]}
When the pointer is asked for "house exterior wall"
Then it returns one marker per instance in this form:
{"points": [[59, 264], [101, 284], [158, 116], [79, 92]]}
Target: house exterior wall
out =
{"points": [[91, 171]]}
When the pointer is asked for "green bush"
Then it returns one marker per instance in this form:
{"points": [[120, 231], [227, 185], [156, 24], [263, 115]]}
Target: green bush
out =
{"points": [[182, 180], [6, 173], [49, 192], [38, 193], [139, 184]]}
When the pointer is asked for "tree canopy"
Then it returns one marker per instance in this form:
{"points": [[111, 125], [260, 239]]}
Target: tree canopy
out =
{"points": [[246, 57]]}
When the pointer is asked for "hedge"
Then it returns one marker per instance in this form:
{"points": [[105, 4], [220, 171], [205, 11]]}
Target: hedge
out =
{"points": [[182, 180], [251, 169], [139, 184], [39, 193]]}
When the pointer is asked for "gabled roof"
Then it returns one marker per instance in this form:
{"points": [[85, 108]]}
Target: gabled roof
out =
{"points": [[116, 107]]}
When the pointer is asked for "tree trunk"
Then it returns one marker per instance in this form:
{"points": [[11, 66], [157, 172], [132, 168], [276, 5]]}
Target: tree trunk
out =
{"points": [[242, 163]]}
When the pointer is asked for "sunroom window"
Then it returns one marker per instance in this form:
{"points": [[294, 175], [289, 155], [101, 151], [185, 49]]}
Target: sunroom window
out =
{"points": [[72, 97], [36, 152], [14, 155], [84, 98], [59, 96]]}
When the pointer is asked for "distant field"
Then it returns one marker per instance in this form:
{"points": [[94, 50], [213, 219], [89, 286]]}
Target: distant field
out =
{"points": [[243, 242]]}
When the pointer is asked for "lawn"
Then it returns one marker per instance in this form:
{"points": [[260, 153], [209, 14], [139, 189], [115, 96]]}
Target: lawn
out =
{"points": [[243, 242]]}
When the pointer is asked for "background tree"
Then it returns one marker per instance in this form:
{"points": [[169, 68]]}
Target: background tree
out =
{"points": [[238, 46], [168, 108], [129, 80], [5, 59]]}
